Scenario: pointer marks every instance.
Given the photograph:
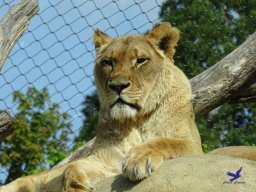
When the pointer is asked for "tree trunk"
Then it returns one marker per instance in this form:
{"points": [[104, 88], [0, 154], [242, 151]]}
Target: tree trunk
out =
{"points": [[14, 172]]}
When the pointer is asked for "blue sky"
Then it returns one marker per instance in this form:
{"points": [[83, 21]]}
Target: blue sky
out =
{"points": [[57, 52]]}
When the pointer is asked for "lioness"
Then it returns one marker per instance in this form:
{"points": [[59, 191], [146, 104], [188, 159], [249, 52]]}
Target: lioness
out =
{"points": [[146, 115]]}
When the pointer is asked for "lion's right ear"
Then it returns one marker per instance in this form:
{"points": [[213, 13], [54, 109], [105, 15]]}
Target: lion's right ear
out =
{"points": [[100, 39], [165, 37]]}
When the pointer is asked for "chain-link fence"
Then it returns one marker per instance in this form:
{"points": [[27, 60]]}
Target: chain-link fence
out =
{"points": [[57, 52]]}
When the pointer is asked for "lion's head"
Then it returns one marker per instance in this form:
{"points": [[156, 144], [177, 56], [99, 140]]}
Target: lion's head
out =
{"points": [[128, 67]]}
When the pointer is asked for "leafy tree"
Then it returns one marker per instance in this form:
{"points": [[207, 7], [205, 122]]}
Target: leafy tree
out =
{"points": [[40, 135], [210, 29]]}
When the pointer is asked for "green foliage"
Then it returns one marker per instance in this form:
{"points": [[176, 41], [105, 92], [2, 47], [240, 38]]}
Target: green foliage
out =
{"points": [[40, 135], [230, 125], [209, 31]]}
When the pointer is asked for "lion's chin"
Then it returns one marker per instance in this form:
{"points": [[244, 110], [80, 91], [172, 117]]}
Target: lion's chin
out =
{"points": [[122, 111]]}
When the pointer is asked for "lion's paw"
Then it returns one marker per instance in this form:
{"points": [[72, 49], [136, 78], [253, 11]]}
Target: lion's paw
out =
{"points": [[76, 179], [141, 162]]}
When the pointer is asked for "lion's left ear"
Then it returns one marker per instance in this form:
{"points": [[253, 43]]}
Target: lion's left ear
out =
{"points": [[100, 39], [165, 37]]}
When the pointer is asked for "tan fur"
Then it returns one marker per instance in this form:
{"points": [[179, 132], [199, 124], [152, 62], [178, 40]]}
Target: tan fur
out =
{"points": [[153, 122]]}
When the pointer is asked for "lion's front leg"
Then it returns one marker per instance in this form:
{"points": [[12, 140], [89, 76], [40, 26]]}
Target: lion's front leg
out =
{"points": [[76, 179], [142, 160], [77, 176]]}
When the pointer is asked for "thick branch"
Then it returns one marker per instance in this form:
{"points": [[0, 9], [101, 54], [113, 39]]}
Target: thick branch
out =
{"points": [[14, 24], [226, 80], [6, 127]]}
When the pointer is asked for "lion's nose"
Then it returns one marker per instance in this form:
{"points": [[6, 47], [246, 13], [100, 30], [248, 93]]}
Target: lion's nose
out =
{"points": [[118, 87]]}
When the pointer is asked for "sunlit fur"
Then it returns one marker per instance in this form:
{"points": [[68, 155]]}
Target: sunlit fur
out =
{"points": [[120, 112]]}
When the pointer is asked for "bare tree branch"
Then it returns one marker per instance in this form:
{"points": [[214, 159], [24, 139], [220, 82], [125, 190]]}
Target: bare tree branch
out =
{"points": [[6, 127], [12, 27], [227, 79], [14, 24]]}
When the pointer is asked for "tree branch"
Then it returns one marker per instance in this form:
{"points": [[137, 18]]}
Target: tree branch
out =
{"points": [[227, 79], [14, 24], [12, 27], [6, 127]]}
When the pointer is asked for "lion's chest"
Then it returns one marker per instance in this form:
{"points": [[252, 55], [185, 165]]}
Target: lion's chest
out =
{"points": [[157, 126], [133, 139], [136, 137]]}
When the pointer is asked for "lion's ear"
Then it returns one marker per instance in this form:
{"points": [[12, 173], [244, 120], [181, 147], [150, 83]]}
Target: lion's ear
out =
{"points": [[165, 37], [100, 39]]}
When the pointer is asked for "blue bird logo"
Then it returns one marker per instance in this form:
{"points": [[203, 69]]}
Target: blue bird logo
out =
{"points": [[234, 176]]}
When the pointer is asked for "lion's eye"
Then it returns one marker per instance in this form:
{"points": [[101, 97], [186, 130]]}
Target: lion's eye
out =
{"points": [[107, 62], [142, 60]]}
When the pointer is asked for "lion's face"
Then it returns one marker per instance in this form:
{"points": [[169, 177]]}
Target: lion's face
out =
{"points": [[126, 71]]}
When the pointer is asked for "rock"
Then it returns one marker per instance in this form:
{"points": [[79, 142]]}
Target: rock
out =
{"points": [[206, 173]]}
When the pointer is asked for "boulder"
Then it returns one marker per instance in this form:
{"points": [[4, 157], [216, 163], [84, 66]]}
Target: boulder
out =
{"points": [[206, 173]]}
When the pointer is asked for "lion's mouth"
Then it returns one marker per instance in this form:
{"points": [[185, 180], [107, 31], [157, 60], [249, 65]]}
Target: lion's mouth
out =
{"points": [[121, 102]]}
